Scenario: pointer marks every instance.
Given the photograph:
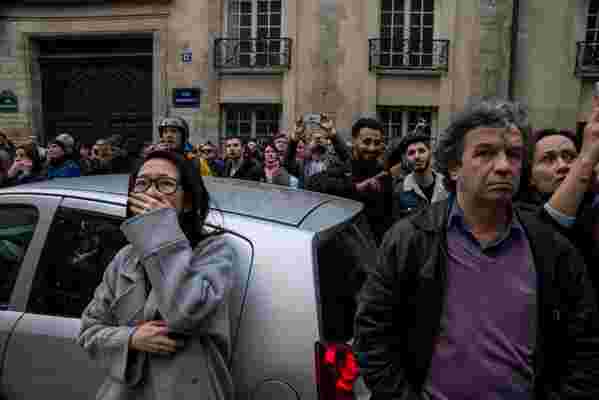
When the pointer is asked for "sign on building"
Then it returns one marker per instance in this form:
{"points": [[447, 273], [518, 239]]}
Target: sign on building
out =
{"points": [[8, 101]]}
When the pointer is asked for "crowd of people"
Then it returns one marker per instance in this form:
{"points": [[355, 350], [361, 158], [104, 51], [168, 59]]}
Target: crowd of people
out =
{"points": [[485, 285]]}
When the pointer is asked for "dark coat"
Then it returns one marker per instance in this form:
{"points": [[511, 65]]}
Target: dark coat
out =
{"points": [[401, 303], [299, 168], [583, 234], [249, 170], [341, 181]]}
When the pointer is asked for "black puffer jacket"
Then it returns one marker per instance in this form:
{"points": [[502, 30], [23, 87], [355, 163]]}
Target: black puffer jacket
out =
{"points": [[400, 307]]}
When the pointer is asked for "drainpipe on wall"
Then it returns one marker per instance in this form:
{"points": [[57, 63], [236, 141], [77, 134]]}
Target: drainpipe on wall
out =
{"points": [[514, 48]]}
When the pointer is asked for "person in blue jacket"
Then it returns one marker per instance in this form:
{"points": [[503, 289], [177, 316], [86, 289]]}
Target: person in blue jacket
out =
{"points": [[60, 159]]}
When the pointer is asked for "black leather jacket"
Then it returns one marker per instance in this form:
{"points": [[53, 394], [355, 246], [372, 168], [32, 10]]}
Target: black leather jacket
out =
{"points": [[400, 307]]}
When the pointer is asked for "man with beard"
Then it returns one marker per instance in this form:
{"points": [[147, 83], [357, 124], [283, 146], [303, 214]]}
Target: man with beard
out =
{"points": [[423, 186], [60, 161], [364, 179], [236, 165]]}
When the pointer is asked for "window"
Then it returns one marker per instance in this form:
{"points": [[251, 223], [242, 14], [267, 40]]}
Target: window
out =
{"points": [[251, 121], [398, 121], [592, 31], [250, 21], [17, 226], [342, 263], [67, 276], [254, 19], [407, 33], [591, 44]]}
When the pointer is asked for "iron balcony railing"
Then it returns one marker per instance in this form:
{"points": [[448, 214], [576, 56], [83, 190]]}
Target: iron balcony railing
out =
{"points": [[587, 59], [270, 54], [399, 54]]}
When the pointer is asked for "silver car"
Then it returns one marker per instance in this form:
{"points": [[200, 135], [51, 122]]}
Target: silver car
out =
{"points": [[300, 257]]}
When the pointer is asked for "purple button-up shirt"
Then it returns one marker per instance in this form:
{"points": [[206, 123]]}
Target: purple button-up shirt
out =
{"points": [[488, 329]]}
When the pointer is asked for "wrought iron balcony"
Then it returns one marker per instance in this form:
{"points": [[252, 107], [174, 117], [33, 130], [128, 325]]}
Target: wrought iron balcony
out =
{"points": [[256, 55], [587, 60], [407, 55]]}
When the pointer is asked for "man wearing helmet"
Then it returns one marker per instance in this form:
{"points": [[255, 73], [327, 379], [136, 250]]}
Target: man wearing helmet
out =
{"points": [[174, 133], [423, 186]]}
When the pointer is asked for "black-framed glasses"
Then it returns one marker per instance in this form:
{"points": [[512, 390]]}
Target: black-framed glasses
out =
{"points": [[164, 185]]}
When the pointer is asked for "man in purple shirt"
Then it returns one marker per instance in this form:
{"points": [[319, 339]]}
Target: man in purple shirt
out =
{"points": [[473, 298]]}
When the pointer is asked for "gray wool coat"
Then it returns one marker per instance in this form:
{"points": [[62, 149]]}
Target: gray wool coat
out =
{"points": [[190, 288]]}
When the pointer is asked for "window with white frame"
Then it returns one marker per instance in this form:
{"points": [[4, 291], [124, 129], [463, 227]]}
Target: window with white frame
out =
{"points": [[250, 121], [407, 32], [258, 24], [398, 121]]}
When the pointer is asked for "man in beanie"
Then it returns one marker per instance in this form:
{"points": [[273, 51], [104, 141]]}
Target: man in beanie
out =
{"points": [[60, 158], [423, 186]]}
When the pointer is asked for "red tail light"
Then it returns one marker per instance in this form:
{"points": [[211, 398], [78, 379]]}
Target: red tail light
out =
{"points": [[336, 371]]}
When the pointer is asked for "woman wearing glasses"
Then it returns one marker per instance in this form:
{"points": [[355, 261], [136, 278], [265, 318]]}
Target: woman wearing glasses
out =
{"points": [[159, 320]]}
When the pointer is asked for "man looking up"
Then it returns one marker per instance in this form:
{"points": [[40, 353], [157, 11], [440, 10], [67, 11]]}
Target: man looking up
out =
{"points": [[473, 298]]}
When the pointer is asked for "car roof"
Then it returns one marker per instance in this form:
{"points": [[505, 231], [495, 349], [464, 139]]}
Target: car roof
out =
{"points": [[252, 199]]}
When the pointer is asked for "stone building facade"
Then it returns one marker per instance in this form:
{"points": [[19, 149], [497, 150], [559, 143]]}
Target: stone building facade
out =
{"points": [[95, 68]]}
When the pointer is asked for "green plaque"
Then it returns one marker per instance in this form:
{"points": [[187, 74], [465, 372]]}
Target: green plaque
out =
{"points": [[8, 102]]}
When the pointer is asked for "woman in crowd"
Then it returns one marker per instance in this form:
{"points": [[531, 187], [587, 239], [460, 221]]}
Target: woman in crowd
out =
{"points": [[160, 318], [273, 171], [27, 166]]}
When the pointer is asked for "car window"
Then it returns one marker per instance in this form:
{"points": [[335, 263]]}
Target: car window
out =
{"points": [[342, 262], [17, 226], [79, 247]]}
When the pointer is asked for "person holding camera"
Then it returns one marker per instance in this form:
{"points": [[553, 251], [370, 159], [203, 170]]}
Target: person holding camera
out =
{"points": [[323, 150]]}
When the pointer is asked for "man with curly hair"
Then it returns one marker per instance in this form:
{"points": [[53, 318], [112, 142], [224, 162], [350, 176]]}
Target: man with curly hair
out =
{"points": [[473, 298]]}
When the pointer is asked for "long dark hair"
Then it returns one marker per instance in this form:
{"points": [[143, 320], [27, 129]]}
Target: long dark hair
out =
{"points": [[192, 221]]}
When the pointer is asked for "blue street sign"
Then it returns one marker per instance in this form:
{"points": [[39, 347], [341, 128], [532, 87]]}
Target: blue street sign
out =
{"points": [[187, 56]]}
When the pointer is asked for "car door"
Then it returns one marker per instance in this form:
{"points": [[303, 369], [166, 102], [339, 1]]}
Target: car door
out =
{"points": [[43, 359], [24, 222]]}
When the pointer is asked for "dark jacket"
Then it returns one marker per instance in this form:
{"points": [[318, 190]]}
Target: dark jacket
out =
{"points": [[249, 170], [300, 168], [582, 234], [341, 181], [400, 308]]}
